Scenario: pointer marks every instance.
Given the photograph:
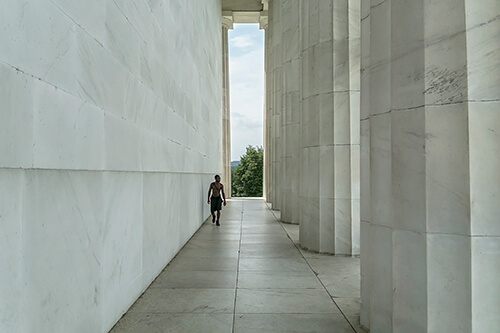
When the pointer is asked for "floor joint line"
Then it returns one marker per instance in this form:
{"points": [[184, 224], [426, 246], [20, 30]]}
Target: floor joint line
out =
{"points": [[238, 264], [319, 280]]}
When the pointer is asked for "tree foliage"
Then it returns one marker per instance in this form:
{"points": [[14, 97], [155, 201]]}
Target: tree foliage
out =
{"points": [[246, 178]]}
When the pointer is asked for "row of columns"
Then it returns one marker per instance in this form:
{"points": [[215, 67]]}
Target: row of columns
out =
{"points": [[312, 118], [417, 162]]}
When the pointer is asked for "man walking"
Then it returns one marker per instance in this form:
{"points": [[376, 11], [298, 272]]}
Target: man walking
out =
{"points": [[216, 200]]}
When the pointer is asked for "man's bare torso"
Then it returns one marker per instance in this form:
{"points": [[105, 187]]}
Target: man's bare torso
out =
{"points": [[216, 188]]}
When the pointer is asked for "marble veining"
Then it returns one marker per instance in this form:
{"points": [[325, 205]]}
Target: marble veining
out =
{"points": [[104, 126]]}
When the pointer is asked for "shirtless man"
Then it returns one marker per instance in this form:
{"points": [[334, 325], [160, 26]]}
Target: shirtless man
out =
{"points": [[216, 188]]}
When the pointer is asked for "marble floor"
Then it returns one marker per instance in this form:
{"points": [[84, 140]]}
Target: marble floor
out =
{"points": [[249, 275]]}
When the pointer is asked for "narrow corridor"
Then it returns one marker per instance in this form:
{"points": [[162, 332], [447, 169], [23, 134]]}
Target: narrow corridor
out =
{"points": [[249, 275]]}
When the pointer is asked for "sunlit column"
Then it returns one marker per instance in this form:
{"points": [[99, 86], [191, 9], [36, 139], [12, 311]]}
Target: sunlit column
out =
{"points": [[227, 24]]}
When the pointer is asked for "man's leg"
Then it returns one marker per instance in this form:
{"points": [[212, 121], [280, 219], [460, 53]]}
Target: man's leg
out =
{"points": [[218, 217], [212, 209]]}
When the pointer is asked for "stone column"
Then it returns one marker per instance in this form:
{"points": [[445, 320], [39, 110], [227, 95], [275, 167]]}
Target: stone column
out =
{"points": [[309, 117], [267, 192], [275, 100], [329, 154], [365, 163], [290, 112], [431, 237], [227, 24]]}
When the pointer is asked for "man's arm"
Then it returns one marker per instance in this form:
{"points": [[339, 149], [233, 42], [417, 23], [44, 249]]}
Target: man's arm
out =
{"points": [[223, 194], [209, 190]]}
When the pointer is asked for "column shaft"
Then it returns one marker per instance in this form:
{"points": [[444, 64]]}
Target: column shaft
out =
{"points": [[266, 123], [276, 100], [329, 154], [431, 248], [226, 115], [290, 112]]}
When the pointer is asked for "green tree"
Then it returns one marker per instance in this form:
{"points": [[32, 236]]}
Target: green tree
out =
{"points": [[246, 178]]}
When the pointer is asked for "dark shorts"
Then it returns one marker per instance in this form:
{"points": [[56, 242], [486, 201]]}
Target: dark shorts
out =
{"points": [[215, 204]]}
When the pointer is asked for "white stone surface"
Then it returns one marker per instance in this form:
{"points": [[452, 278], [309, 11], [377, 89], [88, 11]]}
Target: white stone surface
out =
{"points": [[448, 269], [110, 132], [16, 127], [429, 161], [68, 132], [484, 143], [62, 251], [11, 245], [485, 257], [290, 120], [226, 114], [122, 242], [276, 51], [330, 116]]}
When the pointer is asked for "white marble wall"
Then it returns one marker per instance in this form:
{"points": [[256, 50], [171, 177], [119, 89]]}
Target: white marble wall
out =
{"points": [[109, 135], [430, 121]]}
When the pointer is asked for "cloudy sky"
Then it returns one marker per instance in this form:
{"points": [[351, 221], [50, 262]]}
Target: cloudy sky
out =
{"points": [[246, 70]]}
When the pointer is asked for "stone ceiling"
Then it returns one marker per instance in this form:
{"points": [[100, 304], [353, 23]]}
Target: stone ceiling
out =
{"points": [[244, 11], [242, 5]]}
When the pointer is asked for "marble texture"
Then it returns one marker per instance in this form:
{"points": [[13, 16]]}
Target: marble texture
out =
{"points": [[122, 238], [365, 163], [17, 114], [267, 187], [429, 148], [449, 264], [485, 258], [62, 251], [276, 84], [11, 226], [107, 125], [226, 114], [68, 132], [290, 108], [484, 123], [330, 129]]}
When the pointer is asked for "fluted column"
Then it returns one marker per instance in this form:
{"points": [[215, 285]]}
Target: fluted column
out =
{"points": [[431, 238], [312, 47], [290, 112], [268, 181], [276, 100], [226, 110], [365, 160], [329, 153]]}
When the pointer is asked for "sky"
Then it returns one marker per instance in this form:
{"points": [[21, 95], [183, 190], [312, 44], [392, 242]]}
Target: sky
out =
{"points": [[246, 77]]}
